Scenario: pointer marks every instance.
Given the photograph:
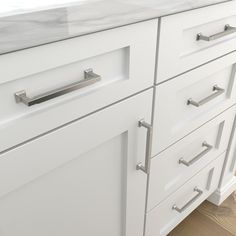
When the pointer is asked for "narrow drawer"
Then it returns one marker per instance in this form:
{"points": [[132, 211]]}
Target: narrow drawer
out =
{"points": [[58, 85], [190, 100], [188, 156], [181, 49], [162, 219]]}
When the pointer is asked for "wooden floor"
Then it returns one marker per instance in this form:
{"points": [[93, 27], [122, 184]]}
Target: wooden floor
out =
{"points": [[210, 220]]}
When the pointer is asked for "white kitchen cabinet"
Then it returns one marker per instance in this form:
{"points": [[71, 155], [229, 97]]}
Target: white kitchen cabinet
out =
{"points": [[92, 145], [81, 179]]}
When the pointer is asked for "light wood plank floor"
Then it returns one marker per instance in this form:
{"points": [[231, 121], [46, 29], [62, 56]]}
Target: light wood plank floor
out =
{"points": [[210, 220]]}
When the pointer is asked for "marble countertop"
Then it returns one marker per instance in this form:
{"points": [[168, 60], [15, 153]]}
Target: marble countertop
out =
{"points": [[29, 23]]}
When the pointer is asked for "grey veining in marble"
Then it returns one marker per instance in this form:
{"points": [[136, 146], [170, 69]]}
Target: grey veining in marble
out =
{"points": [[23, 30]]}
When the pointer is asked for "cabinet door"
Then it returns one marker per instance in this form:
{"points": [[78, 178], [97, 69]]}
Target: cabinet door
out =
{"points": [[81, 179]]}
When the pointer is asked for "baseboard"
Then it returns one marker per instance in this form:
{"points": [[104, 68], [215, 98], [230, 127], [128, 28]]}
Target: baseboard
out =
{"points": [[222, 194]]}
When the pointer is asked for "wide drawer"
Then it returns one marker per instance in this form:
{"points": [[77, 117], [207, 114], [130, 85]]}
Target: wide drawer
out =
{"points": [[173, 167], [57, 87], [180, 49], [162, 219], [190, 100]]}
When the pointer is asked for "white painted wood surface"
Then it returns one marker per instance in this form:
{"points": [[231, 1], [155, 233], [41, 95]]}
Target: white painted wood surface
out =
{"points": [[162, 219], [167, 174], [227, 183], [230, 168], [76, 173], [123, 57], [179, 50], [174, 118], [81, 179]]}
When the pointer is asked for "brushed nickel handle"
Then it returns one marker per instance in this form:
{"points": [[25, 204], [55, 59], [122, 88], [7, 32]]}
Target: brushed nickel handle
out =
{"points": [[218, 90], [197, 157], [189, 203], [146, 168], [89, 78], [227, 31]]}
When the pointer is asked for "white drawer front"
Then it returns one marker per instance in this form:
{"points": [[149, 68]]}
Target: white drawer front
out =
{"points": [[230, 167], [124, 58], [173, 167], [162, 219], [179, 49], [175, 117]]}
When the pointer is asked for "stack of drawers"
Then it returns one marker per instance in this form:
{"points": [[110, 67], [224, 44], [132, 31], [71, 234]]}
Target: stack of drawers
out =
{"points": [[194, 114]]}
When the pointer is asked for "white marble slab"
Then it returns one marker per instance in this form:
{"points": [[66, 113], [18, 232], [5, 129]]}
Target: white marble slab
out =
{"points": [[13, 7], [28, 23]]}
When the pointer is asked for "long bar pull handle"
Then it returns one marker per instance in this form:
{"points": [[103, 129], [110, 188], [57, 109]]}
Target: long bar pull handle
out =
{"points": [[146, 168], [89, 78], [218, 90], [197, 157], [190, 202], [227, 31]]}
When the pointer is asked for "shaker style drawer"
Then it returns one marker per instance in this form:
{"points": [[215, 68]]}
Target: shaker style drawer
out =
{"points": [[45, 87], [190, 100], [173, 167], [192, 38], [162, 219]]}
